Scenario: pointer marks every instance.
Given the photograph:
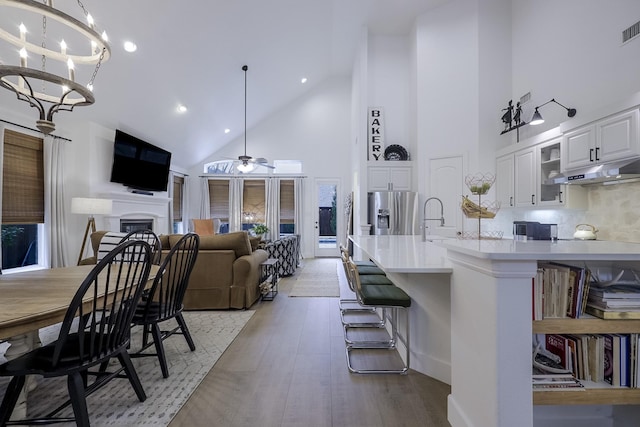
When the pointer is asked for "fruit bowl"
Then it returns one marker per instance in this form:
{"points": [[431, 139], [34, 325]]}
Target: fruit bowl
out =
{"points": [[479, 183]]}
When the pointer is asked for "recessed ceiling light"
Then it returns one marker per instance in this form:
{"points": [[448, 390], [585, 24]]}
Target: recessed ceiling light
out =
{"points": [[182, 108], [130, 46], [303, 80], [227, 130]]}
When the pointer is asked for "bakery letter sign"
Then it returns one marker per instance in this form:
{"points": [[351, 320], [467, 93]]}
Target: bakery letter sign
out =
{"points": [[375, 122]]}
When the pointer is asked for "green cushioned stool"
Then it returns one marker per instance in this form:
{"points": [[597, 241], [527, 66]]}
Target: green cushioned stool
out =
{"points": [[367, 270], [352, 313], [379, 295], [375, 279], [389, 299]]}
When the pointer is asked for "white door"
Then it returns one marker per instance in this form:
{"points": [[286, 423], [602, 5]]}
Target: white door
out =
{"points": [[328, 221], [446, 183]]}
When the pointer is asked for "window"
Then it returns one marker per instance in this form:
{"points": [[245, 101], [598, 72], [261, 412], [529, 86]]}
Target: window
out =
{"points": [[253, 204], [287, 207], [220, 167], [178, 193], [287, 166], [22, 201], [219, 203]]}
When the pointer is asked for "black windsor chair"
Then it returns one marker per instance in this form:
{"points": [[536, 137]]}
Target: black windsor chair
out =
{"points": [[87, 338], [164, 300], [151, 238]]}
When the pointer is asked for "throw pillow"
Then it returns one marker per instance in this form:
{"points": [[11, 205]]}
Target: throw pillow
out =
{"points": [[108, 242], [255, 242], [237, 241], [164, 241]]}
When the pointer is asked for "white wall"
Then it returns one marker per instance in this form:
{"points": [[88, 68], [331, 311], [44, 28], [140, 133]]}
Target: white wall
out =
{"points": [[463, 56], [571, 50], [315, 129], [388, 86]]}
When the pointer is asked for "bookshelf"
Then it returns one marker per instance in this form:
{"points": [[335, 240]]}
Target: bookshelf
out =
{"points": [[586, 325], [594, 393], [604, 394], [498, 275]]}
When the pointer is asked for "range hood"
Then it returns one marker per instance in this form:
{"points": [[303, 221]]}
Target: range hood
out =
{"points": [[613, 172]]}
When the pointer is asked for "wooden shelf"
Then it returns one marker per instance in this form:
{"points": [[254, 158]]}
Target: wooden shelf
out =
{"points": [[594, 394], [590, 396], [589, 325]]}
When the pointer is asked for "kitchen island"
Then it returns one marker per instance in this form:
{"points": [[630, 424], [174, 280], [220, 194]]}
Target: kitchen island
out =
{"points": [[491, 328], [472, 323], [422, 270]]}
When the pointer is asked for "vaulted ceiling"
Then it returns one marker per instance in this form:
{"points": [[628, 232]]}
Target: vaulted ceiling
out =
{"points": [[191, 52]]}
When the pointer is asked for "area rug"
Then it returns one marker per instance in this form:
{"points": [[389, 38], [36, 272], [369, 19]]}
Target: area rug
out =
{"points": [[317, 278], [116, 403]]}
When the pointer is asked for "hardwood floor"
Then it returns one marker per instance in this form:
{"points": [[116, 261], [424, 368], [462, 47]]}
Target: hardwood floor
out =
{"points": [[288, 368]]}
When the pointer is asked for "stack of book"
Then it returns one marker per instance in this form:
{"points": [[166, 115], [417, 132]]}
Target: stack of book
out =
{"points": [[559, 291], [558, 382], [602, 358], [619, 301]]}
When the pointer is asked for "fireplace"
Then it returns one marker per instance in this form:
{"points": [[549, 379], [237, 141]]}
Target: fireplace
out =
{"points": [[129, 225], [137, 212]]}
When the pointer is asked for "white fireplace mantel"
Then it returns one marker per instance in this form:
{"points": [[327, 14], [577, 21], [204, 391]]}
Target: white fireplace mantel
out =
{"points": [[138, 206]]}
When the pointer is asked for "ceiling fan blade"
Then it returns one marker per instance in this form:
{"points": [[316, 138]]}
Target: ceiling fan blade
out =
{"points": [[263, 162], [266, 165]]}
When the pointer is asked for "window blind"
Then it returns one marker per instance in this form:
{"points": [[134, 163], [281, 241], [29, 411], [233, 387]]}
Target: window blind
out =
{"points": [[253, 199], [23, 179], [178, 185], [287, 204], [219, 199]]}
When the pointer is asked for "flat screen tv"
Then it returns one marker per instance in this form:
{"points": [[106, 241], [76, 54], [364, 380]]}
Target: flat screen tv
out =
{"points": [[138, 164]]}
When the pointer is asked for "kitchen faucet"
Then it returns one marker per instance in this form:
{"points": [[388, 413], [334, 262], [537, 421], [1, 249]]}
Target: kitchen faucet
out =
{"points": [[425, 219]]}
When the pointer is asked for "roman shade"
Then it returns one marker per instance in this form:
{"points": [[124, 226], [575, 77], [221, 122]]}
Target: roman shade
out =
{"points": [[23, 179]]}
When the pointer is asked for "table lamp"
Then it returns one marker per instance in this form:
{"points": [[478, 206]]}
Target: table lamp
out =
{"points": [[91, 207]]}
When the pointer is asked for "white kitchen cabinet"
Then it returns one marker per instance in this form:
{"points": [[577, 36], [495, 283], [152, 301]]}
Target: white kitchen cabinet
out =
{"points": [[516, 179], [521, 177], [612, 138], [525, 178], [389, 177], [504, 181]]}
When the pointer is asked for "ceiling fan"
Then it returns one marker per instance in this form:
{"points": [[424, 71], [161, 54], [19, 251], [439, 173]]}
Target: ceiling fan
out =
{"points": [[248, 163]]}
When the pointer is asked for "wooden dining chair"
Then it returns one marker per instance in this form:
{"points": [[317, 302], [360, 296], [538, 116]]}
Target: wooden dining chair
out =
{"points": [[87, 338], [151, 238], [164, 300]]}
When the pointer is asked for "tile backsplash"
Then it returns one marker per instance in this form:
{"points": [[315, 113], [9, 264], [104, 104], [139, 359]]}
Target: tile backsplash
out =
{"points": [[613, 209]]}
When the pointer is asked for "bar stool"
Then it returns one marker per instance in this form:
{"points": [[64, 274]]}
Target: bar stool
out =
{"points": [[388, 298], [351, 305], [364, 267]]}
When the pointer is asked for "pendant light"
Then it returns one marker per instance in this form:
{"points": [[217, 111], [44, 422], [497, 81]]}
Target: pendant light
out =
{"points": [[245, 165]]}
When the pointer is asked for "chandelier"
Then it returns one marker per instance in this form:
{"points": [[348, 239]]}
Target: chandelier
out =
{"points": [[46, 75]]}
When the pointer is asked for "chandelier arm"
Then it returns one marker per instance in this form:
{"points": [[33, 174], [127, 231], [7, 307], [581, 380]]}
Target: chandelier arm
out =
{"points": [[14, 78], [63, 18], [32, 100]]}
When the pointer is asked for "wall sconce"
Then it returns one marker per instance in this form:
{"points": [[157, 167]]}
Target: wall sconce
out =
{"points": [[537, 117]]}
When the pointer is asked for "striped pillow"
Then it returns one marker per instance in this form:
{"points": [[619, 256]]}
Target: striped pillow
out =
{"points": [[109, 241]]}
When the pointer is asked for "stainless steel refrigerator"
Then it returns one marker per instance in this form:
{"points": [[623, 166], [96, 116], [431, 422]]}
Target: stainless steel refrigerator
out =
{"points": [[393, 212]]}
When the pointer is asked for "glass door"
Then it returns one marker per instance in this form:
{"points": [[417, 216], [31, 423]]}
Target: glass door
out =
{"points": [[328, 221]]}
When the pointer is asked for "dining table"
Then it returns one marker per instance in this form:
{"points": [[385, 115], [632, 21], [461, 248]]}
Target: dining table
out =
{"points": [[31, 300]]}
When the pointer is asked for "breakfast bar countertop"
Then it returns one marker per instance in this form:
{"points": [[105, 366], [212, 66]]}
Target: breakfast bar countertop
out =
{"points": [[565, 250], [404, 254]]}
